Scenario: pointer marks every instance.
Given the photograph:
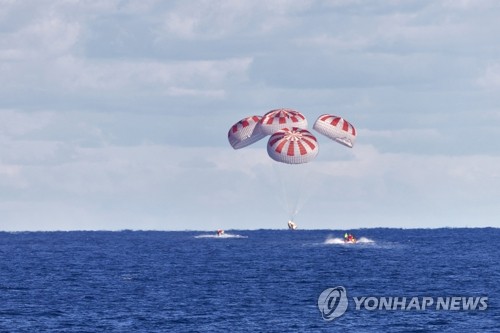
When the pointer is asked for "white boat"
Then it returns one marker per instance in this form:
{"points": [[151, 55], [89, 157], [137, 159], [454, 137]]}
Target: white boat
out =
{"points": [[292, 225]]}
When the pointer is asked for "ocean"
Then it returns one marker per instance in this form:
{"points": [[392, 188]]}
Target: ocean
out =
{"points": [[392, 280]]}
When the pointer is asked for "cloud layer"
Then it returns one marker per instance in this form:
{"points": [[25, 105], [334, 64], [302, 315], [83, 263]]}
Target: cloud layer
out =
{"points": [[115, 115]]}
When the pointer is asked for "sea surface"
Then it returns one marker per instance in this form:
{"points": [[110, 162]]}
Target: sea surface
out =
{"points": [[250, 281]]}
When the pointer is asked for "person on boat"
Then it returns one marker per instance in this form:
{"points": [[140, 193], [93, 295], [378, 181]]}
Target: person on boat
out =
{"points": [[349, 238]]}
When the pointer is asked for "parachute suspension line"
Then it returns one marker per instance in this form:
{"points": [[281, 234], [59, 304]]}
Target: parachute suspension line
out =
{"points": [[293, 183], [293, 207], [281, 177], [292, 147], [303, 187]]}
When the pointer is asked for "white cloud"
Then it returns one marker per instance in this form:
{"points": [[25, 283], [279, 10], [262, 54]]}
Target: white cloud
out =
{"points": [[14, 123], [81, 77], [43, 35], [335, 43], [222, 19], [45, 54], [133, 101], [490, 80], [221, 181]]}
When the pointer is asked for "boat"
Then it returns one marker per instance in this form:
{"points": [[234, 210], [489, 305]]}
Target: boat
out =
{"points": [[292, 225], [349, 238]]}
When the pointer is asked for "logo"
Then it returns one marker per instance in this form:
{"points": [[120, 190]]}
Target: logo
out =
{"points": [[332, 303]]}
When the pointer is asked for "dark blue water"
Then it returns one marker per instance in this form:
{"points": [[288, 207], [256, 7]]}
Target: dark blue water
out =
{"points": [[264, 281]]}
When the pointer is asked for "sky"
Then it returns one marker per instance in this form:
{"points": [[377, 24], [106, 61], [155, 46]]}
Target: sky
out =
{"points": [[114, 114]]}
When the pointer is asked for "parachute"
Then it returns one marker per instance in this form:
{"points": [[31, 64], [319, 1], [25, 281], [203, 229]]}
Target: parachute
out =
{"points": [[245, 132], [290, 143], [336, 128], [292, 146], [278, 119]]}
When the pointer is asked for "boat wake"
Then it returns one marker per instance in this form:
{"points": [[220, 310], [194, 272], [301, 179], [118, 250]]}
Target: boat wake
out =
{"points": [[330, 240], [223, 236], [365, 240], [340, 241]]}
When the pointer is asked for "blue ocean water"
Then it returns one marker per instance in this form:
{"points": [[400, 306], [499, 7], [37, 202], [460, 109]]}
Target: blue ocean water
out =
{"points": [[247, 281]]}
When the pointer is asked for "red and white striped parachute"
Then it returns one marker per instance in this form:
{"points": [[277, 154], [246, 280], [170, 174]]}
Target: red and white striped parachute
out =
{"points": [[245, 132], [278, 119], [336, 128], [292, 146]]}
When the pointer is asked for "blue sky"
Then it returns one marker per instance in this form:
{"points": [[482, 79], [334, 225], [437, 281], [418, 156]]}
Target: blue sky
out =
{"points": [[114, 114]]}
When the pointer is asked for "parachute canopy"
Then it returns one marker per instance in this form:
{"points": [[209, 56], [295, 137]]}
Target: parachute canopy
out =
{"points": [[290, 141], [245, 132], [292, 146], [278, 119], [336, 128]]}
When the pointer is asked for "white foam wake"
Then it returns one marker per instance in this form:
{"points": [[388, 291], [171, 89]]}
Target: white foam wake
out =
{"points": [[365, 240], [330, 240], [340, 241], [225, 235]]}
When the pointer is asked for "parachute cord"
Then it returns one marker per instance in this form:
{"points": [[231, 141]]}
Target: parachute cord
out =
{"points": [[284, 196], [294, 183]]}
